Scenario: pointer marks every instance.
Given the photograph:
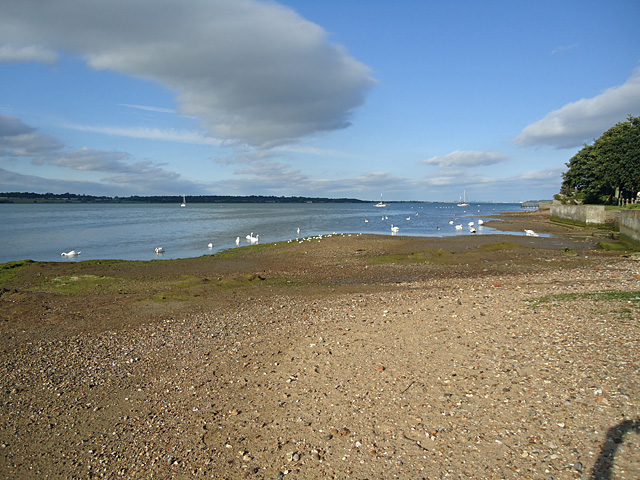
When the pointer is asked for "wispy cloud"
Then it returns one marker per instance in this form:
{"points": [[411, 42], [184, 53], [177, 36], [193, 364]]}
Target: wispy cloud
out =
{"points": [[32, 53], [116, 169], [244, 156], [17, 182], [255, 72], [148, 108], [167, 135], [466, 158], [20, 140], [248, 155], [564, 48], [586, 119]]}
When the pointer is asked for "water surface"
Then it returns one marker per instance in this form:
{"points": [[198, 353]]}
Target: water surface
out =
{"points": [[133, 231]]}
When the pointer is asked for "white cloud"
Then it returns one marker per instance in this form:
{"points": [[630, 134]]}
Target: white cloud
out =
{"points": [[17, 182], [18, 140], [254, 72], [86, 159], [149, 108], [243, 156], [564, 48], [277, 178], [586, 119], [167, 135], [32, 53], [466, 158]]}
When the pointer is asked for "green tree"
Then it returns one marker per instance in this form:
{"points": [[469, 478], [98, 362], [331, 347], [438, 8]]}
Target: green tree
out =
{"points": [[607, 170]]}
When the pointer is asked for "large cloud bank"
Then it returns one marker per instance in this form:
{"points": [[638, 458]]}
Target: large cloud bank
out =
{"points": [[254, 72], [586, 119]]}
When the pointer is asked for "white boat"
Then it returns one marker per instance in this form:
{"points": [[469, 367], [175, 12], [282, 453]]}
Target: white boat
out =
{"points": [[380, 203], [184, 201], [463, 202]]}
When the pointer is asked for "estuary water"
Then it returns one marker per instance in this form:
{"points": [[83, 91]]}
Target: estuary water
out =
{"points": [[133, 231]]}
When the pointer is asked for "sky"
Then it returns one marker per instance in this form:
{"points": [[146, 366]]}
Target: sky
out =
{"points": [[418, 100]]}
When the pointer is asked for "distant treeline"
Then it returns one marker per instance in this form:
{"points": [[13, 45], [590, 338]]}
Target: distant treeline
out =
{"points": [[29, 197]]}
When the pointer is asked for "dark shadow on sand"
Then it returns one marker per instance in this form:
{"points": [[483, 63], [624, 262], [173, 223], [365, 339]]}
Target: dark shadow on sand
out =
{"points": [[602, 469]]}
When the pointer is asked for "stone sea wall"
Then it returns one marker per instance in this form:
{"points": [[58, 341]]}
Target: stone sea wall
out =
{"points": [[630, 226], [591, 215], [627, 222]]}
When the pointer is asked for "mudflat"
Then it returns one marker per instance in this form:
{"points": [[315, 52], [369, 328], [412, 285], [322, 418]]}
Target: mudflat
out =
{"points": [[478, 356]]}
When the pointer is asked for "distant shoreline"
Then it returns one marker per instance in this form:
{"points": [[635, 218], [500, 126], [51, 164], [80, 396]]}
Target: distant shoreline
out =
{"points": [[30, 197], [26, 197]]}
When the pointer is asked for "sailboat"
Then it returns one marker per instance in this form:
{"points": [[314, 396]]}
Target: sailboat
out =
{"points": [[380, 203], [463, 203], [184, 201]]}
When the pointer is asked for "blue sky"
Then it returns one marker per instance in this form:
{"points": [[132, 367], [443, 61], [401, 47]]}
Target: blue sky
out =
{"points": [[418, 100]]}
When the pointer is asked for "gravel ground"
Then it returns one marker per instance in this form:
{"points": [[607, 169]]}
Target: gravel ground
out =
{"points": [[480, 357]]}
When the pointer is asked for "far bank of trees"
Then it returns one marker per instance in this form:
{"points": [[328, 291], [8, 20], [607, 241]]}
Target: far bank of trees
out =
{"points": [[608, 171], [30, 197]]}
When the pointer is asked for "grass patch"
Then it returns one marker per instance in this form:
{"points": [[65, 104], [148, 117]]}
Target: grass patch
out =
{"points": [[492, 247], [612, 246], [444, 257], [424, 256], [10, 269], [607, 295], [82, 284]]}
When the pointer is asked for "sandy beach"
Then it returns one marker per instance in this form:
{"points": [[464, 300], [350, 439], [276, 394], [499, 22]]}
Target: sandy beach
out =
{"points": [[348, 357]]}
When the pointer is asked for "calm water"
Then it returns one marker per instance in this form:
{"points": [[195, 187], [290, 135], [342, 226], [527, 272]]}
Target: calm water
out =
{"points": [[131, 232]]}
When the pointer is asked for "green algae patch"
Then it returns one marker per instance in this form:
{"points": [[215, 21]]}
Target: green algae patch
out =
{"points": [[423, 256], [500, 246], [613, 246], [10, 270], [81, 284], [632, 297], [444, 257]]}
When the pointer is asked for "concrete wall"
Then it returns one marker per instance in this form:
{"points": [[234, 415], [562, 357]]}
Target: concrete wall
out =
{"points": [[585, 215], [626, 221], [630, 226], [581, 214]]}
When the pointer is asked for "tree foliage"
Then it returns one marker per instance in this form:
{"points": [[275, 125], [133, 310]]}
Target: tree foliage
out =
{"points": [[608, 169]]}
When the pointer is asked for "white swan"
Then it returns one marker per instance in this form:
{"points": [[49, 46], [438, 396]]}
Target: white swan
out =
{"points": [[237, 241], [459, 227], [530, 233], [159, 250], [470, 224], [253, 239], [472, 230], [248, 237], [210, 246], [450, 222], [72, 253], [480, 222], [298, 233], [394, 230]]}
